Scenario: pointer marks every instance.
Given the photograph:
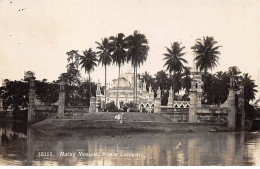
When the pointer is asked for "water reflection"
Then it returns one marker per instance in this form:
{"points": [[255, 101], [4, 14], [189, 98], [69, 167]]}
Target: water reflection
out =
{"points": [[95, 147]]}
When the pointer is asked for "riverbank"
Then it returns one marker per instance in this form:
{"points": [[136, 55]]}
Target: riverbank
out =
{"points": [[130, 122]]}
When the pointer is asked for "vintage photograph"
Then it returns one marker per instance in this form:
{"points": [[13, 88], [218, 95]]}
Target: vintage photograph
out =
{"points": [[130, 83]]}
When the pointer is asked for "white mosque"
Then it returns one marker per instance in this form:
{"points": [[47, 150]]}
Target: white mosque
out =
{"points": [[145, 99]]}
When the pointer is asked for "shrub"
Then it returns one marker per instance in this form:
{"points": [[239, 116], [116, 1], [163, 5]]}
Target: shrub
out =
{"points": [[111, 107]]}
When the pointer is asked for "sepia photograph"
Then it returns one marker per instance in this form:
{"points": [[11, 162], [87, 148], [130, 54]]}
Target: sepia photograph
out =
{"points": [[129, 83]]}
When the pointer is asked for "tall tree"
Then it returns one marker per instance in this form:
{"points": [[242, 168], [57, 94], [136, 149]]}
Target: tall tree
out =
{"points": [[73, 57], [118, 46], [47, 92], [148, 79], [88, 62], [250, 87], [234, 70], [207, 53], [15, 95], [105, 58], [137, 54], [72, 77], [186, 80], [174, 60]]}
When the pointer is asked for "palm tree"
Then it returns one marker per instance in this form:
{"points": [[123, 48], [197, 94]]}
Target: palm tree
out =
{"points": [[249, 87], [148, 79], [137, 54], [234, 70], [104, 53], [207, 54], [88, 62], [118, 46], [174, 60], [186, 80]]}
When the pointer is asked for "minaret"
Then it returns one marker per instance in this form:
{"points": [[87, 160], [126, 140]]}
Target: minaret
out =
{"points": [[157, 106], [151, 93], [231, 104], [195, 92], [144, 86], [61, 107], [98, 95], [170, 98], [32, 96], [241, 105]]}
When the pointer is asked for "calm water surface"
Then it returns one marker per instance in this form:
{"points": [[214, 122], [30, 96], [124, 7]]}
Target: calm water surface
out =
{"points": [[20, 145]]}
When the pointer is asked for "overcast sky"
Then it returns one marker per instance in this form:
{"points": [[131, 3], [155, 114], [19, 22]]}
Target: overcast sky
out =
{"points": [[36, 34]]}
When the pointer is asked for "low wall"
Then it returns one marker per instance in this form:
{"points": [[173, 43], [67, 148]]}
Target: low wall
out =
{"points": [[43, 112], [205, 114], [176, 114], [75, 112], [212, 118]]}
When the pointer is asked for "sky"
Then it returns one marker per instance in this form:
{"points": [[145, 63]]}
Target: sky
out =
{"points": [[35, 35]]}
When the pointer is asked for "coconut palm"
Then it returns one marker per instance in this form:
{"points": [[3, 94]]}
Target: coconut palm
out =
{"points": [[104, 53], [249, 87], [186, 79], [174, 60], [233, 70], [148, 79], [88, 62], [137, 54], [118, 46], [207, 53]]}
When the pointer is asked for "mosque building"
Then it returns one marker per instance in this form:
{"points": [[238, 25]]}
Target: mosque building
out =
{"points": [[125, 89]]}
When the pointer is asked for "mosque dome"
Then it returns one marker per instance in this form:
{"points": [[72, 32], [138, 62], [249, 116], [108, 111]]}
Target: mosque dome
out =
{"points": [[123, 83]]}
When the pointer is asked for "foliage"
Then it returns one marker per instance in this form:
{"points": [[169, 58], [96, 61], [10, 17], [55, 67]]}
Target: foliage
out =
{"points": [[249, 89], [133, 107], [105, 57], [148, 79], [72, 76], [73, 57], [118, 47], [79, 95], [111, 107], [88, 60], [104, 52], [173, 57], [186, 80], [118, 44], [138, 48], [47, 92], [15, 95], [207, 54]]}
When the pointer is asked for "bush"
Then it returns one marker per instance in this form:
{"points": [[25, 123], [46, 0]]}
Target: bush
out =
{"points": [[111, 107], [133, 107]]}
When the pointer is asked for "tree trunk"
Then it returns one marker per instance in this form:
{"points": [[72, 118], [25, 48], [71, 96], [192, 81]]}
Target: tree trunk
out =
{"points": [[134, 87], [89, 85], [117, 86], [105, 86], [173, 87]]}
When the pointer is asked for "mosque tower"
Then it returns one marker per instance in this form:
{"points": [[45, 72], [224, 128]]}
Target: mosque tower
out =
{"points": [[195, 93]]}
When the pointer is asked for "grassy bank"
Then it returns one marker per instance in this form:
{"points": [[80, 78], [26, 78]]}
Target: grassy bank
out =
{"points": [[131, 122]]}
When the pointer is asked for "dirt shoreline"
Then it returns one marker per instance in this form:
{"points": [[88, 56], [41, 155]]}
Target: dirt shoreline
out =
{"points": [[77, 124]]}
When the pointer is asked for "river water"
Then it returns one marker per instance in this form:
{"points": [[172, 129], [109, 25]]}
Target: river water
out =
{"points": [[24, 146]]}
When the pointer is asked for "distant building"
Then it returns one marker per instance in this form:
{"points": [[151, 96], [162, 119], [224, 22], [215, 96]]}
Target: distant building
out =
{"points": [[125, 89]]}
